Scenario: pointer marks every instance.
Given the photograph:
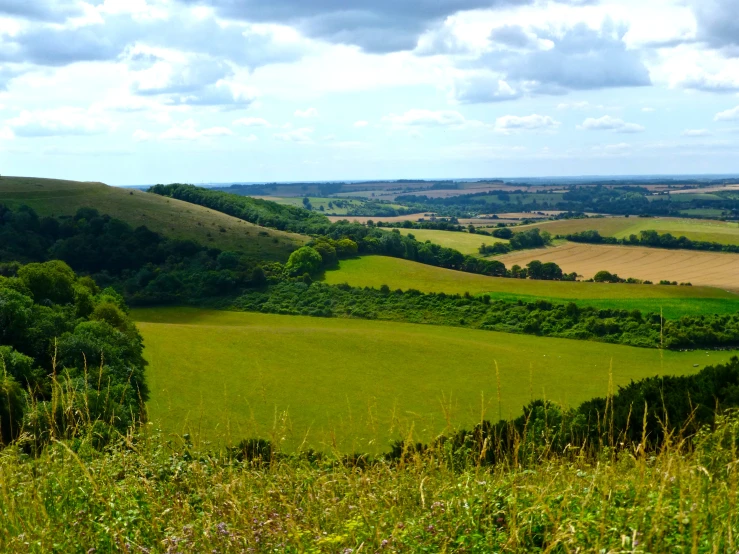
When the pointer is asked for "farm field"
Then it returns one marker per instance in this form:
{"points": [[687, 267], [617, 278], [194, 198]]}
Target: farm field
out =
{"points": [[317, 203], [375, 271], [364, 219], [354, 385], [168, 216], [711, 269], [465, 242], [621, 227]]}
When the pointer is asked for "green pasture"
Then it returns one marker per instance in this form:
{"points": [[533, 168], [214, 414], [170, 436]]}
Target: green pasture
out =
{"points": [[462, 241], [695, 229], [170, 217], [317, 203], [355, 385], [375, 271]]}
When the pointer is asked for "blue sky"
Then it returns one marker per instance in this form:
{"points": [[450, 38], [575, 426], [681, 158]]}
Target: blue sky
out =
{"points": [[147, 91]]}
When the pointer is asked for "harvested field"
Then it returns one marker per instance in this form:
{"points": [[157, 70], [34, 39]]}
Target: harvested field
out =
{"points": [[713, 269], [723, 232]]}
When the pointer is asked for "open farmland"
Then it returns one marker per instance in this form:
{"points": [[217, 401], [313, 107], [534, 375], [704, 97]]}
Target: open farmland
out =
{"points": [[621, 227], [375, 271], [711, 269], [168, 216], [397, 219], [466, 243], [354, 385]]}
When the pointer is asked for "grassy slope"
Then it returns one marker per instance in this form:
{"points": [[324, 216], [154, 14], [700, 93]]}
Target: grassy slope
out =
{"points": [[712, 231], [168, 216], [375, 271], [356, 384], [465, 242]]}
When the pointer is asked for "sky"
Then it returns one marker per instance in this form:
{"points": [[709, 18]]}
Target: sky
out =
{"points": [[157, 91]]}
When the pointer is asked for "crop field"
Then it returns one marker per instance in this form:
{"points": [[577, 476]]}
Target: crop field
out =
{"points": [[466, 243], [375, 271], [621, 227], [168, 216], [354, 385], [364, 219], [711, 269], [317, 203]]}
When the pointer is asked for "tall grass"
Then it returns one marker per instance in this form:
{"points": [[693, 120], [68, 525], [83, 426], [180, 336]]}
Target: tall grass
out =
{"points": [[146, 492]]}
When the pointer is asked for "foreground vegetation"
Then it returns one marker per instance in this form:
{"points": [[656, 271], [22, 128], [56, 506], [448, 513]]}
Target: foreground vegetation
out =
{"points": [[148, 493], [354, 385]]}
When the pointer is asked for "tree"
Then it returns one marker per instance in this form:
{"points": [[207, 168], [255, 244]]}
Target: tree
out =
{"points": [[306, 203], [304, 260], [52, 281]]}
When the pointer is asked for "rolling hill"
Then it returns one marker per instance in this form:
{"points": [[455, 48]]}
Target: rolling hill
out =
{"points": [[168, 216]]}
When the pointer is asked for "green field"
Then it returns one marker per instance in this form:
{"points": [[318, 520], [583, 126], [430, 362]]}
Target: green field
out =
{"points": [[354, 385], [465, 242], [168, 216], [621, 227], [375, 271]]}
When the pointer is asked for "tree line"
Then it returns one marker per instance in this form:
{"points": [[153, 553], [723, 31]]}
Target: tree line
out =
{"points": [[653, 239]]}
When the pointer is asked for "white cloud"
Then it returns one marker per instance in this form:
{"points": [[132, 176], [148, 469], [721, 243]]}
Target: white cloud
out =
{"points": [[608, 123], [534, 122], [303, 135], [696, 133], [648, 110], [360, 124], [429, 118], [252, 122], [58, 122], [307, 114], [728, 115], [142, 136], [6, 133]]}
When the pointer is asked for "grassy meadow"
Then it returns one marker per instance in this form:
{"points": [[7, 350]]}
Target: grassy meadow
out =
{"points": [[723, 232], [466, 243], [353, 385], [375, 271], [168, 216]]}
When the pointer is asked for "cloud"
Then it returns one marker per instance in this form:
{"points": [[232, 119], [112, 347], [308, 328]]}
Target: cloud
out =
{"points": [[57, 122], [718, 25], [428, 118], [513, 36], [534, 122], [6, 133], [198, 81], [648, 110], [608, 123], [118, 36], [41, 10], [726, 82], [478, 89], [361, 124], [303, 135], [580, 58], [695, 133], [728, 115], [306, 114], [378, 26], [252, 122]]}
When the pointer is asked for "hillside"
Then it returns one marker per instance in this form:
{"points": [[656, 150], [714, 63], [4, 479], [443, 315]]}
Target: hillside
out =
{"points": [[168, 216]]}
